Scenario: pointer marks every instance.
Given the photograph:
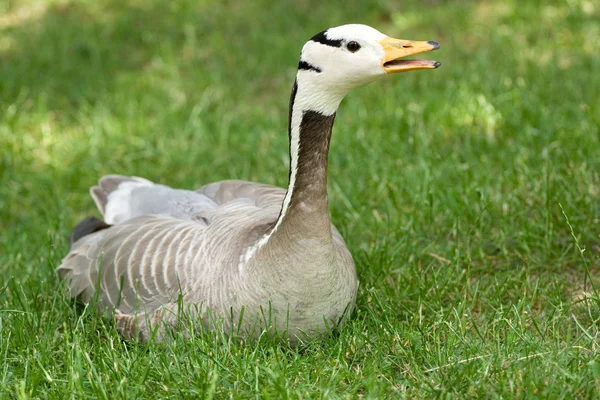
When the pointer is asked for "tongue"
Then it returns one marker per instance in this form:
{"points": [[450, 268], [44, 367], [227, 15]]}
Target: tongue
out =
{"points": [[412, 63]]}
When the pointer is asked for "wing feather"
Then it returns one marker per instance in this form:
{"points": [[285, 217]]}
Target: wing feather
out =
{"points": [[143, 261]]}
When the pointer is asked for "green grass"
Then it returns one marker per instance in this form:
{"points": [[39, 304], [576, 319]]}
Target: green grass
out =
{"points": [[469, 196]]}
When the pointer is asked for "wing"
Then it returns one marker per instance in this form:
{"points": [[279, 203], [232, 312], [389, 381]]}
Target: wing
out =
{"points": [[162, 240], [120, 198], [257, 194], [139, 264]]}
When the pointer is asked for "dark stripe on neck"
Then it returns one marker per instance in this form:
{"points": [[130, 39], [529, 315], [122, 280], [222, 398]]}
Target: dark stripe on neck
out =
{"points": [[310, 185], [308, 67], [321, 37]]}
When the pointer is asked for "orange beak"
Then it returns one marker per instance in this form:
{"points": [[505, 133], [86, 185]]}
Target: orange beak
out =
{"points": [[398, 48]]}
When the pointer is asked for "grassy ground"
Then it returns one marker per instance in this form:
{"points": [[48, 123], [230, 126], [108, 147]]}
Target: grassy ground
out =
{"points": [[469, 196]]}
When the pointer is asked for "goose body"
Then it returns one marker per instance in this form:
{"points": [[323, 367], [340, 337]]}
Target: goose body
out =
{"points": [[239, 255]]}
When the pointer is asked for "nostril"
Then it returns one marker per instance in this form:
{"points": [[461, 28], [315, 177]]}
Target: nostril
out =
{"points": [[407, 46]]}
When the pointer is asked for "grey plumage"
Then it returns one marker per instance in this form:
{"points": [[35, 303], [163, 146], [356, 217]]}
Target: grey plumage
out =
{"points": [[142, 265]]}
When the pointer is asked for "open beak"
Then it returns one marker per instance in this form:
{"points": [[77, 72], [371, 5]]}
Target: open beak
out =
{"points": [[398, 48]]}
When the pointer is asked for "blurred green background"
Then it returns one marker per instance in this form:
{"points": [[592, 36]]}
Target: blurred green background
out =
{"points": [[446, 184]]}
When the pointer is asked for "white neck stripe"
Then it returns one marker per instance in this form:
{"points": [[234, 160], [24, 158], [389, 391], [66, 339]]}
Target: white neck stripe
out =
{"points": [[304, 101], [309, 97]]}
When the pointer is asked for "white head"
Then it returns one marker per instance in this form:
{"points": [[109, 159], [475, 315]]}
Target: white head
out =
{"points": [[339, 59]]}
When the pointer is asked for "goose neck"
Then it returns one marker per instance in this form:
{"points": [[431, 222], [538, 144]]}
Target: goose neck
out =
{"points": [[304, 216], [312, 114]]}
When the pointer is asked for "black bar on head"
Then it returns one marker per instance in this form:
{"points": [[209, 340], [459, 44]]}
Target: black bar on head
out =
{"points": [[306, 66], [321, 37]]}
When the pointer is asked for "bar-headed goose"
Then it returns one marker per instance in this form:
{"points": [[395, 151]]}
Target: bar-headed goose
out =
{"points": [[243, 253]]}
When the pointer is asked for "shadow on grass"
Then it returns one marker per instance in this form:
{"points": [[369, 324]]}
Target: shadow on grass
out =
{"points": [[72, 54]]}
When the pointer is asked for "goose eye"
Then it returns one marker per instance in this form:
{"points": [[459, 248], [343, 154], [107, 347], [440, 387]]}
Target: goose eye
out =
{"points": [[353, 46]]}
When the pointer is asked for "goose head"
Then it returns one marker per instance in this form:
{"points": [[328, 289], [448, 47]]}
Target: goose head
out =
{"points": [[337, 60]]}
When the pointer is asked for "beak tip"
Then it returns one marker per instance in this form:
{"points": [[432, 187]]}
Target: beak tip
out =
{"points": [[435, 45], [436, 64]]}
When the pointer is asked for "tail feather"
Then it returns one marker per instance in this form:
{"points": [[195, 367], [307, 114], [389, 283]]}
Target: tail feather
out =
{"points": [[86, 227], [100, 198]]}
